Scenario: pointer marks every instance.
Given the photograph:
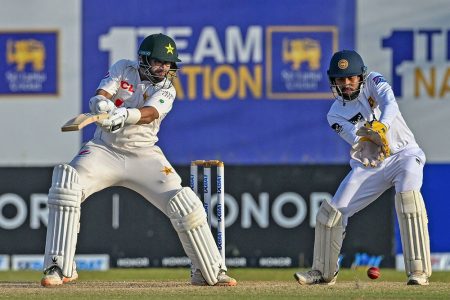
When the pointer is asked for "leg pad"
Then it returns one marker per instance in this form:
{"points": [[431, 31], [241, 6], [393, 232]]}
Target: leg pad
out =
{"points": [[64, 202], [188, 218], [413, 223], [329, 235]]}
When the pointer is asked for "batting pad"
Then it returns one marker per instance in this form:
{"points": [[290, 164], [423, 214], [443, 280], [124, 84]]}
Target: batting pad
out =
{"points": [[188, 217], [413, 223], [64, 201], [329, 235]]}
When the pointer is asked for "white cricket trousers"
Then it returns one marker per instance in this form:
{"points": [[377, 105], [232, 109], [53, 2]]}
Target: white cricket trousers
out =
{"points": [[145, 171], [363, 185]]}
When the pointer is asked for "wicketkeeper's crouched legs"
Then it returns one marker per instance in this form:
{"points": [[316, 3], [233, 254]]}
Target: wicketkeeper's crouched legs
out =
{"points": [[413, 223], [188, 217], [329, 235], [64, 202]]}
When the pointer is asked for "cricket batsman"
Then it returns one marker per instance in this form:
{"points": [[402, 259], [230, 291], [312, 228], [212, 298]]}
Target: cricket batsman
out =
{"points": [[137, 95], [384, 153]]}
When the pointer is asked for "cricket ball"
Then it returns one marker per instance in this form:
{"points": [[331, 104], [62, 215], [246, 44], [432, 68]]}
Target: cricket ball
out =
{"points": [[373, 272]]}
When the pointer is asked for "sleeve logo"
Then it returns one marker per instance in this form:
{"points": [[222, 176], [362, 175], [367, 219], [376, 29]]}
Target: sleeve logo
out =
{"points": [[378, 79], [337, 127]]}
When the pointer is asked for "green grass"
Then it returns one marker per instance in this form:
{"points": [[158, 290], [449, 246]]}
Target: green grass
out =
{"points": [[252, 284]]}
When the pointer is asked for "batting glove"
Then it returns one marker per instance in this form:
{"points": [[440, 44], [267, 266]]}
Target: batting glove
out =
{"points": [[100, 104], [116, 121], [119, 118]]}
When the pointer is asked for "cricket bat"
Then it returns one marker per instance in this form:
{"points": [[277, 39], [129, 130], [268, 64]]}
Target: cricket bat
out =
{"points": [[83, 120]]}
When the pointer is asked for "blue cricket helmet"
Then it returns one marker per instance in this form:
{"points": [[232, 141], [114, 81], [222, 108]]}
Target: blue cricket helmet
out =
{"points": [[346, 63]]}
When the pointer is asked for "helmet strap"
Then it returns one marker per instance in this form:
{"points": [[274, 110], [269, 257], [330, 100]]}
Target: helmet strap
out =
{"points": [[146, 74], [337, 92]]}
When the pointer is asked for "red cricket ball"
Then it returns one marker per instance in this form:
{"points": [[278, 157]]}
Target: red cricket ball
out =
{"points": [[373, 272]]}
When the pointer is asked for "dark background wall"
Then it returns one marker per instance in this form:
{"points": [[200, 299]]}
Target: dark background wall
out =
{"points": [[136, 229]]}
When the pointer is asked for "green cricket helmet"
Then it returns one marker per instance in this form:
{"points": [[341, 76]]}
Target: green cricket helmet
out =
{"points": [[159, 47], [346, 63]]}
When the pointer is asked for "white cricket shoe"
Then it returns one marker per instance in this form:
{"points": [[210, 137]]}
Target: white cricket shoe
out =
{"points": [[418, 278], [223, 279], [53, 277], [313, 277]]}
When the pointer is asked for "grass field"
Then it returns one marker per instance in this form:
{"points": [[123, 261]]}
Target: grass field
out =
{"points": [[252, 284]]}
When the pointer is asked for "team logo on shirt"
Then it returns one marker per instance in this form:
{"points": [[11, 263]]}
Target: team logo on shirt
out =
{"points": [[167, 94], [372, 102], [118, 102], [337, 127], [356, 118], [161, 101], [167, 170], [127, 86]]}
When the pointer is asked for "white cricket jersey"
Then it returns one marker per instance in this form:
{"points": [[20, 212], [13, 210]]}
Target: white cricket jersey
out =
{"points": [[376, 101], [124, 83]]}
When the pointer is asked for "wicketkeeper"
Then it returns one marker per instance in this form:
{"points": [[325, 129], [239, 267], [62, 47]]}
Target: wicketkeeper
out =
{"points": [[384, 153], [137, 95]]}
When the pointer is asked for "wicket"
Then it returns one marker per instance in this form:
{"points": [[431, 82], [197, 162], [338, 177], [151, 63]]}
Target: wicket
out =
{"points": [[207, 164]]}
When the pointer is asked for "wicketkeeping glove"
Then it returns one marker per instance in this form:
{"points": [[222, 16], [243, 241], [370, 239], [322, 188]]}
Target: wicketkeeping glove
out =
{"points": [[376, 132], [367, 152]]}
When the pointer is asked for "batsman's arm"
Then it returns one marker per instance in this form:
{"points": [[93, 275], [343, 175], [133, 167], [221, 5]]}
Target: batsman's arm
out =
{"points": [[148, 115], [134, 116], [144, 115], [104, 93]]}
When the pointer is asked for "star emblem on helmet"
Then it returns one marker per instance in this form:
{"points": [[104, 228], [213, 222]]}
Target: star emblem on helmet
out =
{"points": [[169, 49], [167, 170]]}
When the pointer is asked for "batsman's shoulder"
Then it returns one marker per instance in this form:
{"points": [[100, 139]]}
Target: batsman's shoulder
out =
{"points": [[168, 93], [122, 64]]}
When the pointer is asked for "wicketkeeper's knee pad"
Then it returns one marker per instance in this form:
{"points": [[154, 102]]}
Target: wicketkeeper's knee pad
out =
{"points": [[64, 202], [188, 217], [413, 223], [329, 235]]}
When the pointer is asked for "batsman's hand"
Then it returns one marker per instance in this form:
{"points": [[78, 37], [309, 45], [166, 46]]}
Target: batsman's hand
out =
{"points": [[116, 121], [368, 153], [376, 132], [100, 104]]}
